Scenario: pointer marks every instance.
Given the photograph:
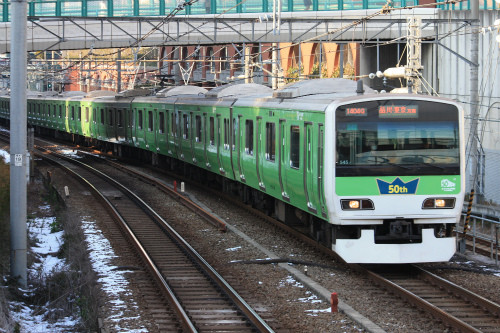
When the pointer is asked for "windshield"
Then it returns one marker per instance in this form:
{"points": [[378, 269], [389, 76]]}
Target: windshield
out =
{"points": [[397, 138]]}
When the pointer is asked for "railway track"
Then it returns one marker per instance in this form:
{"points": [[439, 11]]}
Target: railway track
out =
{"points": [[457, 307], [201, 299]]}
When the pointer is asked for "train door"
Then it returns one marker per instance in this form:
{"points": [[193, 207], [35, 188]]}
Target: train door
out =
{"points": [[234, 146], [220, 147], [199, 140], [259, 155], [320, 166], [294, 170], [282, 159], [310, 168], [269, 160]]}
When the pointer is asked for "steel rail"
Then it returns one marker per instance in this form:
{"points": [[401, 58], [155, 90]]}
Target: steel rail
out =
{"points": [[249, 312], [167, 291]]}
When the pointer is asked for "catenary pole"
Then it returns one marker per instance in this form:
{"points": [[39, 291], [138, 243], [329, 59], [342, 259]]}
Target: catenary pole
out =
{"points": [[18, 140], [474, 93]]}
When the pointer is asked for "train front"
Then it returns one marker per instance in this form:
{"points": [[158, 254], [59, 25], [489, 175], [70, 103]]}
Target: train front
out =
{"points": [[397, 187]]}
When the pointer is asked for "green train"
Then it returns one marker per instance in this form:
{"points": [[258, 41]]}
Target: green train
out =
{"points": [[379, 178]]}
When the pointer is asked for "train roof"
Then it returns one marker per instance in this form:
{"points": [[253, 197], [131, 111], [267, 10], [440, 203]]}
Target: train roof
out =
{"points": [[312, 95]]}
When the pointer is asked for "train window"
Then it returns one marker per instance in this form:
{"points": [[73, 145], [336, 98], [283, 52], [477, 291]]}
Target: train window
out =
{"points": [[295, 147], [198, 128], [185, 125], [87, 114], [72, 113], [249, 137], [161, 127], [60, 111], [102, 116], [79, 113], [270, 142], [110, 117], [212, 131], [235, 125], [132, 118], [226, 133], [150, 120], [119, 118], [53, 111], [140, 119], [94, 119]]}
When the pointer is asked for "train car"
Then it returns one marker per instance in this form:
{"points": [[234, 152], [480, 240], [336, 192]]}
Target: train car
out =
{"points": [[379, 178]]}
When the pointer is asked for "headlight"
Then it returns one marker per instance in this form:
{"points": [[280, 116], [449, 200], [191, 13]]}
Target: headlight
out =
{"points": [[356, 204], [439, 203]]}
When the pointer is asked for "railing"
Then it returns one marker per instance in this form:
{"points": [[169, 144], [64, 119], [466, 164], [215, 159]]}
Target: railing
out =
{"points": [[483, 229], [133, 8]]}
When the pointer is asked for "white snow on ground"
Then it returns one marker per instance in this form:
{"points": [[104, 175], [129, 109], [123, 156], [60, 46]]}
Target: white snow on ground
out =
{"points": [[5, 155], [112, 281], [31, 319]]}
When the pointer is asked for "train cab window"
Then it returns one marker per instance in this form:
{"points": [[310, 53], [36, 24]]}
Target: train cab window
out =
{"points": [[119, 117], [161, 125], [87, 114], [212, 131], [140, 120], [185, 126], [150, 120], [72, 113], [295, 147], [102, 116], [110, 117], [249, 137], [226, 133], [198, 128], [270, 142]]}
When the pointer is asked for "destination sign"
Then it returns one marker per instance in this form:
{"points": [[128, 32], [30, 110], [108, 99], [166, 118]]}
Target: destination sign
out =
{"points": [[398, 111], [355, 112]]}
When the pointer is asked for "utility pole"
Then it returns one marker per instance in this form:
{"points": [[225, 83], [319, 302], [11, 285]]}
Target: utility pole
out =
{"points": [[474, 94], [413, 53], [18, 141]]}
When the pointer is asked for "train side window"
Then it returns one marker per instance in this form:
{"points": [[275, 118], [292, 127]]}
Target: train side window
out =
{"points": [[72, 112], [60, 111], [131, 118], [235, 125], [226, 133], [53, 111], [270, 142], [87, 114], [295, 147], [119, 118], [185, 124], [140, 119], [79, 113], [249, 137], [161, 127], [212, 131], [198, 128], [94, 112], [110, 117], [150, 120], [102, 116]]}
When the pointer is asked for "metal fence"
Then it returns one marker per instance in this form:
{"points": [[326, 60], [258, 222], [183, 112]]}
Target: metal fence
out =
{"points": [[483, 228], [133, 8]]}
